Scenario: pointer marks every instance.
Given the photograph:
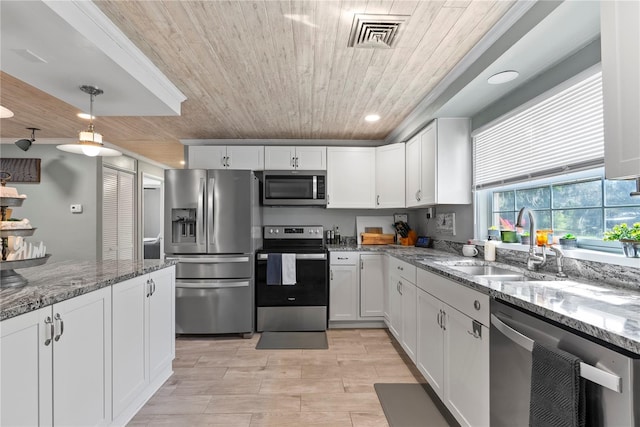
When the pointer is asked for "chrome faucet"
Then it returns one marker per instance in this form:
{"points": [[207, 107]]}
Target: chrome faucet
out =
{"points": [[534, 260], [559, 261]]}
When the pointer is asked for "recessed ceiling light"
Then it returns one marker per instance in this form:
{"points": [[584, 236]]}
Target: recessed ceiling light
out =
{"points": [[372, 118], [86, 116], [503, 77], [5, 113]]}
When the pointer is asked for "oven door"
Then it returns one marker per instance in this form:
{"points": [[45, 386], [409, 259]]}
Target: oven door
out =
{"points": [[311, 287]]}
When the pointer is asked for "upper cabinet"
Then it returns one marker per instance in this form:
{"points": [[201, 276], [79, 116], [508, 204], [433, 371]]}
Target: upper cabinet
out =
{"points": [[620, 33], [351, 177], [295, 158], [390, 176], [226, 157], [438, 164]]}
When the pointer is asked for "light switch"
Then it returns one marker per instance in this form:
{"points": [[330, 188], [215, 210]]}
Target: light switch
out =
{"points": [[76, 208]]}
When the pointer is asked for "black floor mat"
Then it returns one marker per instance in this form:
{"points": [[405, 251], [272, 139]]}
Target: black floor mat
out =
{"points": [[410, 405], [293, 340]]}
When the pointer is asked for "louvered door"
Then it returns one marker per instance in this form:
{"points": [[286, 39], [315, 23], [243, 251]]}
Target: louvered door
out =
{"points": [[118, 215]]}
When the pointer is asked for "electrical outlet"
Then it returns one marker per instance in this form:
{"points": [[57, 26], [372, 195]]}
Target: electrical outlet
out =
{"points": [[429, 213], [76, 208]]}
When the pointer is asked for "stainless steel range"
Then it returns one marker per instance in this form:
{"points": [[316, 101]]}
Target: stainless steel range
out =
{"points": [[292, 307]]}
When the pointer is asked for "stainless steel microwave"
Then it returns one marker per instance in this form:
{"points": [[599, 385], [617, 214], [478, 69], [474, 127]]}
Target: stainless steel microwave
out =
{"points": [[294, 188]]}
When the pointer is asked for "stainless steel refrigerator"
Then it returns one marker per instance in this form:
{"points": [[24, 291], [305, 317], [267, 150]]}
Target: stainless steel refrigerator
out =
{"points": [[212, 227]]}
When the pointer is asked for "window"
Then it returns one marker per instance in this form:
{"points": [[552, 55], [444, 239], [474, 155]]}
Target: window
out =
{"points": [[584, 206]]}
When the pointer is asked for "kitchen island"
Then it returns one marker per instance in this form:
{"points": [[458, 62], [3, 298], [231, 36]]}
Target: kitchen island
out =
{"points": [[86, 343]]}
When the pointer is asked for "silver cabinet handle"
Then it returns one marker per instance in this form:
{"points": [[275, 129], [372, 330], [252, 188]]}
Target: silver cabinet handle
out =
{"points": [[400, 287], [378, 199], [148, 288], [327, 199], [48, 330], [476, 305], [342, 257], [58, 320], [438, 318], [228, 163], [444, 320], [153, 286], [293, 162], [297, 158], [591, 373], [331, 271], [361, 264]]}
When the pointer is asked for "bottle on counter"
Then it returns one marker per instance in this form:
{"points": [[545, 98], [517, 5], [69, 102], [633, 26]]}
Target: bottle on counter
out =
{"points": [[490, 250], [336, 236]]}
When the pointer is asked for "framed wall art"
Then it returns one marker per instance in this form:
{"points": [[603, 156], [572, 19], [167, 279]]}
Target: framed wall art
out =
{"points": [[21, 170]]}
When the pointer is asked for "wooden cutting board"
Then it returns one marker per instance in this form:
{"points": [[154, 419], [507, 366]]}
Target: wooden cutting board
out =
{"points": [[377, 239]]}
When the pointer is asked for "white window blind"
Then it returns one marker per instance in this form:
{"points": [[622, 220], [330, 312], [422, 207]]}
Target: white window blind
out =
{"points": [[560, 134]]}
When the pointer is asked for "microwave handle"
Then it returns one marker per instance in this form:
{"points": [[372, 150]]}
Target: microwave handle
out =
{"points": [[315, 187]]}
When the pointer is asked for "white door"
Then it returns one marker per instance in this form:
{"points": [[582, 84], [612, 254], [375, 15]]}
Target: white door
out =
{"points": [[279, 158], [311, 158], [351, 177], [428, 166], [26, 369], [395, 305], [371, 285], [130, 367], [466, 358], [412, 164], [245, 157], [82, 360], [430, 359], [207, 157], [343, 292], [390, 176], [408, 294], [161, 320]]}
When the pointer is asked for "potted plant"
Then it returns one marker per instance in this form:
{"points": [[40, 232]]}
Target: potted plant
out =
{"points": [[494, 233], [629, 237], [569, 241], [525, 238], [508, 233]]}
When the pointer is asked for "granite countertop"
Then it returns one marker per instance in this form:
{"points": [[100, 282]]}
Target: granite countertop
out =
{"points": [[608, 312], [58, 281]]}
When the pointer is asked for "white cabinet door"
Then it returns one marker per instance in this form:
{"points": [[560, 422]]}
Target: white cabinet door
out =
{"points": [[409, 334], [207, 156], [390, 176], [371, 285], [26, 369], [466, 358], [620, 32], [279, 158], [245, 157], [343, 292], [395, 305], [130, 366], [311, 158], [351, 177], [82, 360], [430, 356], [161, 320], [412, 174], [428, 169]]}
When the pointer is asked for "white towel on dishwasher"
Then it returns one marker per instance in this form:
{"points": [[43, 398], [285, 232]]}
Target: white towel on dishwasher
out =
{"points": [[288, 269]]}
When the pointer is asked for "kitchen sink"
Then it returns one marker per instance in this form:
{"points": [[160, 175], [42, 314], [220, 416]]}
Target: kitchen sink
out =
{"points": [[490, 272]]}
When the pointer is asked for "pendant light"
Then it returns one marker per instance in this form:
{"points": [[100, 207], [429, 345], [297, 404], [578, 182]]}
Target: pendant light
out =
{"points": [[90, 142]]}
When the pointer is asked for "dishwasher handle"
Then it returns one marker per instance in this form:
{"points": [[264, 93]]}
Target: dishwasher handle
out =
{"points": [[588, 372]]}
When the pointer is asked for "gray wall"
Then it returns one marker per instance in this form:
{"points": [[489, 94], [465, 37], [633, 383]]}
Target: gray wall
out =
{"points": [[464, 222], [65, 179], [152, 211]]}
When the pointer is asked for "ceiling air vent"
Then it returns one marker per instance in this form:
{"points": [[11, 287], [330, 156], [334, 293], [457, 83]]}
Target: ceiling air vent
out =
{"points": [[375, 31]]}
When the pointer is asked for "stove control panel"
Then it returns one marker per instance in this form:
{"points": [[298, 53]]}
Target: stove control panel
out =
{"points": [[293, 232]]}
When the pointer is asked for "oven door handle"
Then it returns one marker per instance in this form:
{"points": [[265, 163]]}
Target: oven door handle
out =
{"points": [[210, 260], [591, 373], [211, 284], [299, 256]]}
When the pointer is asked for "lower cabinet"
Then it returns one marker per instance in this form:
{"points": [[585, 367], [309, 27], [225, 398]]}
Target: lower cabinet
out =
{"points": [[56, 364], [343, 286], [453, 347], [143, 338], [372, 285], [402, 305]]}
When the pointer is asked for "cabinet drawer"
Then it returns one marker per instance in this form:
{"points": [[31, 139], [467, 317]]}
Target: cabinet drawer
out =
{"points": [[403, 269], [344, 258], [468, 301]]}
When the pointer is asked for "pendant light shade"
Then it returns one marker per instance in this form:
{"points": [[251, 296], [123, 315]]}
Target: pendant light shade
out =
{"points": [[90, 142]]}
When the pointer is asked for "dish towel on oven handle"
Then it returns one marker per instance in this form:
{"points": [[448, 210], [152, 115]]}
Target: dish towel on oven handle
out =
{"points": [[289, 269], [274, 269], [557, 390]]}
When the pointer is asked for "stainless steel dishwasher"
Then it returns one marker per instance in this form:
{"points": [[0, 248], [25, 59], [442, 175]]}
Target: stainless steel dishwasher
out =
{"points": [[613, 376]]}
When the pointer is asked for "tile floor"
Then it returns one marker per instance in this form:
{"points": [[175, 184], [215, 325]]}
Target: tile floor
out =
{"points": [[227, 382]]}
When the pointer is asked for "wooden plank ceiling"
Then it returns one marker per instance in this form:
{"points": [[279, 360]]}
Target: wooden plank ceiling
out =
{"points": [[268, 70]]}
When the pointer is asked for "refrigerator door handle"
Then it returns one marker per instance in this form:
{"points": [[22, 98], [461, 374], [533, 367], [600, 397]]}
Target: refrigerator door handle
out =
{"points": [[210, 207], [211, 284], [200, 213], [209, 260], [591, 373]]}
